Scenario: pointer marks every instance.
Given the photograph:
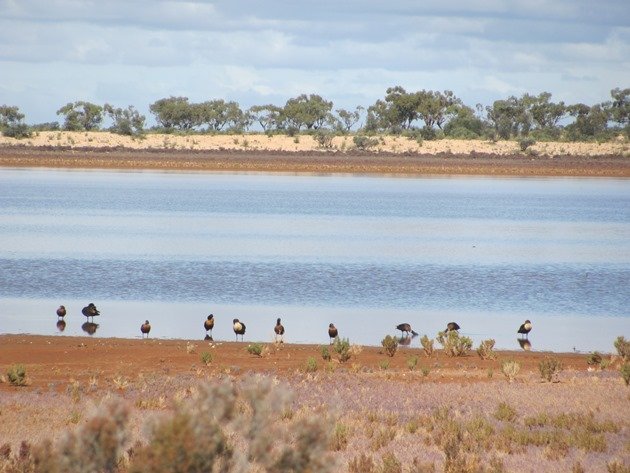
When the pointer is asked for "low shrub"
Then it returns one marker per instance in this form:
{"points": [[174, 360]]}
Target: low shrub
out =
{"points": [[510, 369], [206, 358], [505, 412], [486, 350], [412, 362], [363, 142], [625, 373], [550, 368], [594, 359], [623, 348], [325, 353], [311, 365], [17, 375], [342, 348], [390, 344], [454, 344], [339, 439], [255, 349], [427, 345], [525, 143]]}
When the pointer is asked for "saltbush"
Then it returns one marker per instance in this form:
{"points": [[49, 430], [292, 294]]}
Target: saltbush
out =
{"points": [[390, 344], [623, 348], [17, 375], [510, 369], [454, 344], [427, 345], [255, 349], [342, 348], [550, 368], [486, 350]]}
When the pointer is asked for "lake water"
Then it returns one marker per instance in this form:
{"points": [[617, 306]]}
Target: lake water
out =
{"points": [[363, 252]]}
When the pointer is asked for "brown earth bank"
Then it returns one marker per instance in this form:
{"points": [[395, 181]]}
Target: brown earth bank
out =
{"points": [[374, 405], [407, 163]]}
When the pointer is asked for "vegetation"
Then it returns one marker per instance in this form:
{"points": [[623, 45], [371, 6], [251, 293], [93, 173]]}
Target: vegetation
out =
{"points": [[623, 348], [420, 115], [427, 346], [342, 348], [390, 344], [550, 368], [206, 358], [325, 353], [625, 373], [16, 375], [510, 369], [486, 350], [255, 349], [454, 344]]}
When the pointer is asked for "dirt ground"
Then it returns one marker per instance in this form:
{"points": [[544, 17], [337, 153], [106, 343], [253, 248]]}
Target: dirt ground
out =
{"points": [[55, 361]]}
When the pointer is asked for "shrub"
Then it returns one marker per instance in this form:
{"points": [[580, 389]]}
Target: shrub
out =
{"points": [[412, 361], [362, 464], [311, 365], [510, 369], [505, 412], [18, 131], [206, 358], [427, 345], [325, 353], [623, 348], [390, 344], [454, 344], [323, 138], [525, 143], [383, 364], [339, 439], [549, 368], [17, 375], [342, 348], [486, 350], [625, 373], [255, 349], [363, 142], [594, 359]]}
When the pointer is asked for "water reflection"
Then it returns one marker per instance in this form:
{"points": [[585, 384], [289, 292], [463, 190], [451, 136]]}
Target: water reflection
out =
{"points": [[405, 341], [61, 325], [89, 328], [524, 343]]}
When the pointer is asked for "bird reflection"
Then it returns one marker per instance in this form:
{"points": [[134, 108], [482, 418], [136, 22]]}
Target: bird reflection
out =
{"points": [[208, 338], [61, 325], [405, 340], [524, 343], [89, 328]]}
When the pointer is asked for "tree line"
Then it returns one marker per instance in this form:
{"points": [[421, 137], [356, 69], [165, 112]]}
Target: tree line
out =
{"points": [[425, 114]]}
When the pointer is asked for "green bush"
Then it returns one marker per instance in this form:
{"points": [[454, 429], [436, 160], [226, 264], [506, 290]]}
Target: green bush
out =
{"points": [[342, 348], [17, 375], [454, 344], [525, 143], [550, 368], [427, 345], [18, 131], [412, 362], [486, 350], [311, 365], [623, 348], [206, 358], [594, 359], [255, 349], [390, 344], [325, 353], [363, 142]]}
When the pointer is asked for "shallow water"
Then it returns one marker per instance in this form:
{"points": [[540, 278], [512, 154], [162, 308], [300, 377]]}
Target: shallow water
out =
{"points": [[363, 252]]}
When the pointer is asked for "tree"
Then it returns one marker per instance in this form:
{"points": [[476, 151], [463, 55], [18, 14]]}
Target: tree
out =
{"points": [[402, 107], [589, 121], [434, 107], [465, 124], [544, 113], [310, 111], [81, 116], [620, 106], [175, 113], [11, 123], [218, 114], [268, 116], [509, 117], [348, 119], [125, 121]]}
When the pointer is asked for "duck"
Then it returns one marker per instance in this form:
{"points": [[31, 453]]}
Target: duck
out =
{"points": [[145, 328], [405, 327], [525, 328], [61, 312], [332, 332], [452, 327], [208, 324], [90, 311], [279, 331], [239, 328]]}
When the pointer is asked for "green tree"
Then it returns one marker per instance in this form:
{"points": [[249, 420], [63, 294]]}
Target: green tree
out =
{"points": [[310, 111], [544, 113], [589, 121], [509, 117], [175, 113], [11, 122], [465, 124], [619, 108], [81, 116], [347, 119], [268, 116], [126, 121]]}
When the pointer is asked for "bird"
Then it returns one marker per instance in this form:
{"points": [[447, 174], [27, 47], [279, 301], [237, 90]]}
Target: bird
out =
{"points": [[332, 332], [452, 327], [61, 312], [279, 331], [208, 324], [525, 328], [145, 328], [239, 328], [405, 328], [90, 311]]}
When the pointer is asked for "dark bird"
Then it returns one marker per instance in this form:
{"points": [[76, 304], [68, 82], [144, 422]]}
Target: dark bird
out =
{"points": [[332, 332], [61, 325], [145, 328], [239, 328], [279, 331], [208, 324], [61, 312], [525, 328], [452, 327], [405, 328], [90, 311]]}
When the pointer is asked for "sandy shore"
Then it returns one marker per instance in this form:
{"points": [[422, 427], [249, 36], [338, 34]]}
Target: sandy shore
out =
{"points": [[260, 153]]}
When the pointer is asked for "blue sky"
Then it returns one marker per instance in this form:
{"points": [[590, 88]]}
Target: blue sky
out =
{"points": [[267, 51]]}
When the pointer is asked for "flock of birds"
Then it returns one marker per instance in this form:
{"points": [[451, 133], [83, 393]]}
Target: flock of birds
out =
{"points": [[90, 311]]}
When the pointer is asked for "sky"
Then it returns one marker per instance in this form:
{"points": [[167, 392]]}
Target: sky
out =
{"points": [[256, 52]]}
